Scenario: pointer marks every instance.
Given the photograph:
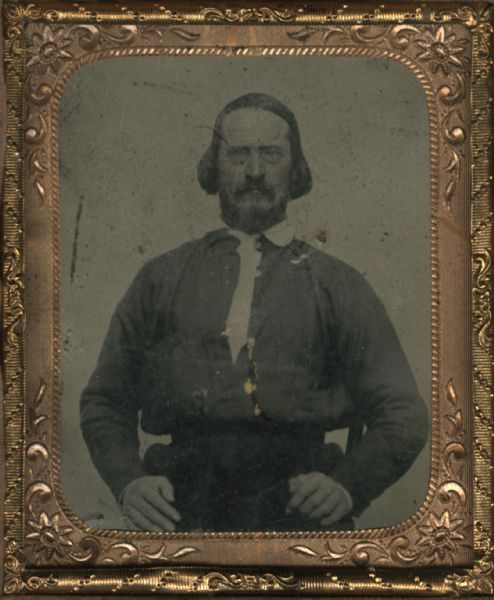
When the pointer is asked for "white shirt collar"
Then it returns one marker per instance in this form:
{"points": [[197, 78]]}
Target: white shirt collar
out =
{"points": [[280, 234]]}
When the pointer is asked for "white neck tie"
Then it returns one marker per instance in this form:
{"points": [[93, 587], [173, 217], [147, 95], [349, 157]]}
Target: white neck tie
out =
{"points": [[237, 323]]}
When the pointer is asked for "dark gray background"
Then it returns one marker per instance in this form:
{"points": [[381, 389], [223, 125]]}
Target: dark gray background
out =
{"points": [[131, 133]]}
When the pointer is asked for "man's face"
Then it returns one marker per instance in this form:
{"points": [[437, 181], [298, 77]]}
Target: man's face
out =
{"points": [[254, 169]]}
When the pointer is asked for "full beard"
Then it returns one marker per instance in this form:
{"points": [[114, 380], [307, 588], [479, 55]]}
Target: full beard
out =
{"points": [[252, 211]]}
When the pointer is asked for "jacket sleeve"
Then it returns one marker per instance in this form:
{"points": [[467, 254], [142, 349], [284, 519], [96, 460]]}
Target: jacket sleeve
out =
{"points": [[383, 390], [110, 402]]}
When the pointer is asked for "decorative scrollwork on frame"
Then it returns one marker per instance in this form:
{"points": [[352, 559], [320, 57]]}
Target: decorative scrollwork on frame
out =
{"points": [[17, 14], [89, 549], [454, 455], [247, 15], [15, 581], [454, 452], [454, 135], [400, 551], [480, 579], [439, 538], [14, 314], [452, 92], [38, 459], [91, 37], [35, 419], [482, 312], [40, 491], [16, 584], [359, 554], [451, 492], [34, 136], [216, 581], [121, 553], [160, 34], [38, 93]]}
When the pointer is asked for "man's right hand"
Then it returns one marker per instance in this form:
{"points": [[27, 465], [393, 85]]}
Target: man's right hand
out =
{"points": [[147, 502]]}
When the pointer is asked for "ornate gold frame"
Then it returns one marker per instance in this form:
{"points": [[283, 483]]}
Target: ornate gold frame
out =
{"points": [[73, 558]]}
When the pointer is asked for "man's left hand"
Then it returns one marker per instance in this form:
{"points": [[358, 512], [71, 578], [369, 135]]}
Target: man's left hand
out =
{"points": [[319, 497]]}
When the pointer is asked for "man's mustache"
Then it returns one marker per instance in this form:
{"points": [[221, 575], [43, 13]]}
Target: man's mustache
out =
{"points": [[252, 186]]}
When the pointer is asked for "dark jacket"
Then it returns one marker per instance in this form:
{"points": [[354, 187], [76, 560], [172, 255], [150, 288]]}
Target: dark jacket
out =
{"points": [[326, 356]]}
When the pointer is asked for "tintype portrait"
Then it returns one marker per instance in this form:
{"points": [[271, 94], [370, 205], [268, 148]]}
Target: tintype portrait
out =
{"points": [[247, 299], [240, 349]]}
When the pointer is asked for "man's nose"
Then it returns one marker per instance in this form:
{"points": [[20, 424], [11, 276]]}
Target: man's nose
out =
{"points": [[255, 165]]}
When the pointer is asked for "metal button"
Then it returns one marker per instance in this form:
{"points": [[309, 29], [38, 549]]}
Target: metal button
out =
{"points": [[249, 387]]}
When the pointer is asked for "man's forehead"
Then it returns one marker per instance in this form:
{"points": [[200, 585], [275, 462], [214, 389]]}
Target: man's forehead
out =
{"points": [[253, 126]]}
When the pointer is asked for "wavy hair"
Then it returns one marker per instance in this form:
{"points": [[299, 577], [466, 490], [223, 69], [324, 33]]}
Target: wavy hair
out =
{"points": [[207, 169]]}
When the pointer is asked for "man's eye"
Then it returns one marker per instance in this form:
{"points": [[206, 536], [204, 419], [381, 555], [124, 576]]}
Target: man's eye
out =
{"points": [[238, 155], [271, 154]]}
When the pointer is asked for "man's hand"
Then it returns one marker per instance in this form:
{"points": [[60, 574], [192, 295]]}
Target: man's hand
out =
{"points": [[147, 503], [319, 497]]}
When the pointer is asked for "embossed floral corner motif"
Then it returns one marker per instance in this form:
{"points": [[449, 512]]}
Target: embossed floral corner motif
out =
{"points": [[440, 537], [48, 49], [443, 52], [49, 536]]}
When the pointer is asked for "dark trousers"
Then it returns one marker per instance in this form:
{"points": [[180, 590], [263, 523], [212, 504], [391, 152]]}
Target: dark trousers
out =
{"points": [[236, 479]]}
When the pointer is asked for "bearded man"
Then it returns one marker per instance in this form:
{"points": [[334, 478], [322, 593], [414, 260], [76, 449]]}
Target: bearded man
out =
{"points": [[247, 346]]}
